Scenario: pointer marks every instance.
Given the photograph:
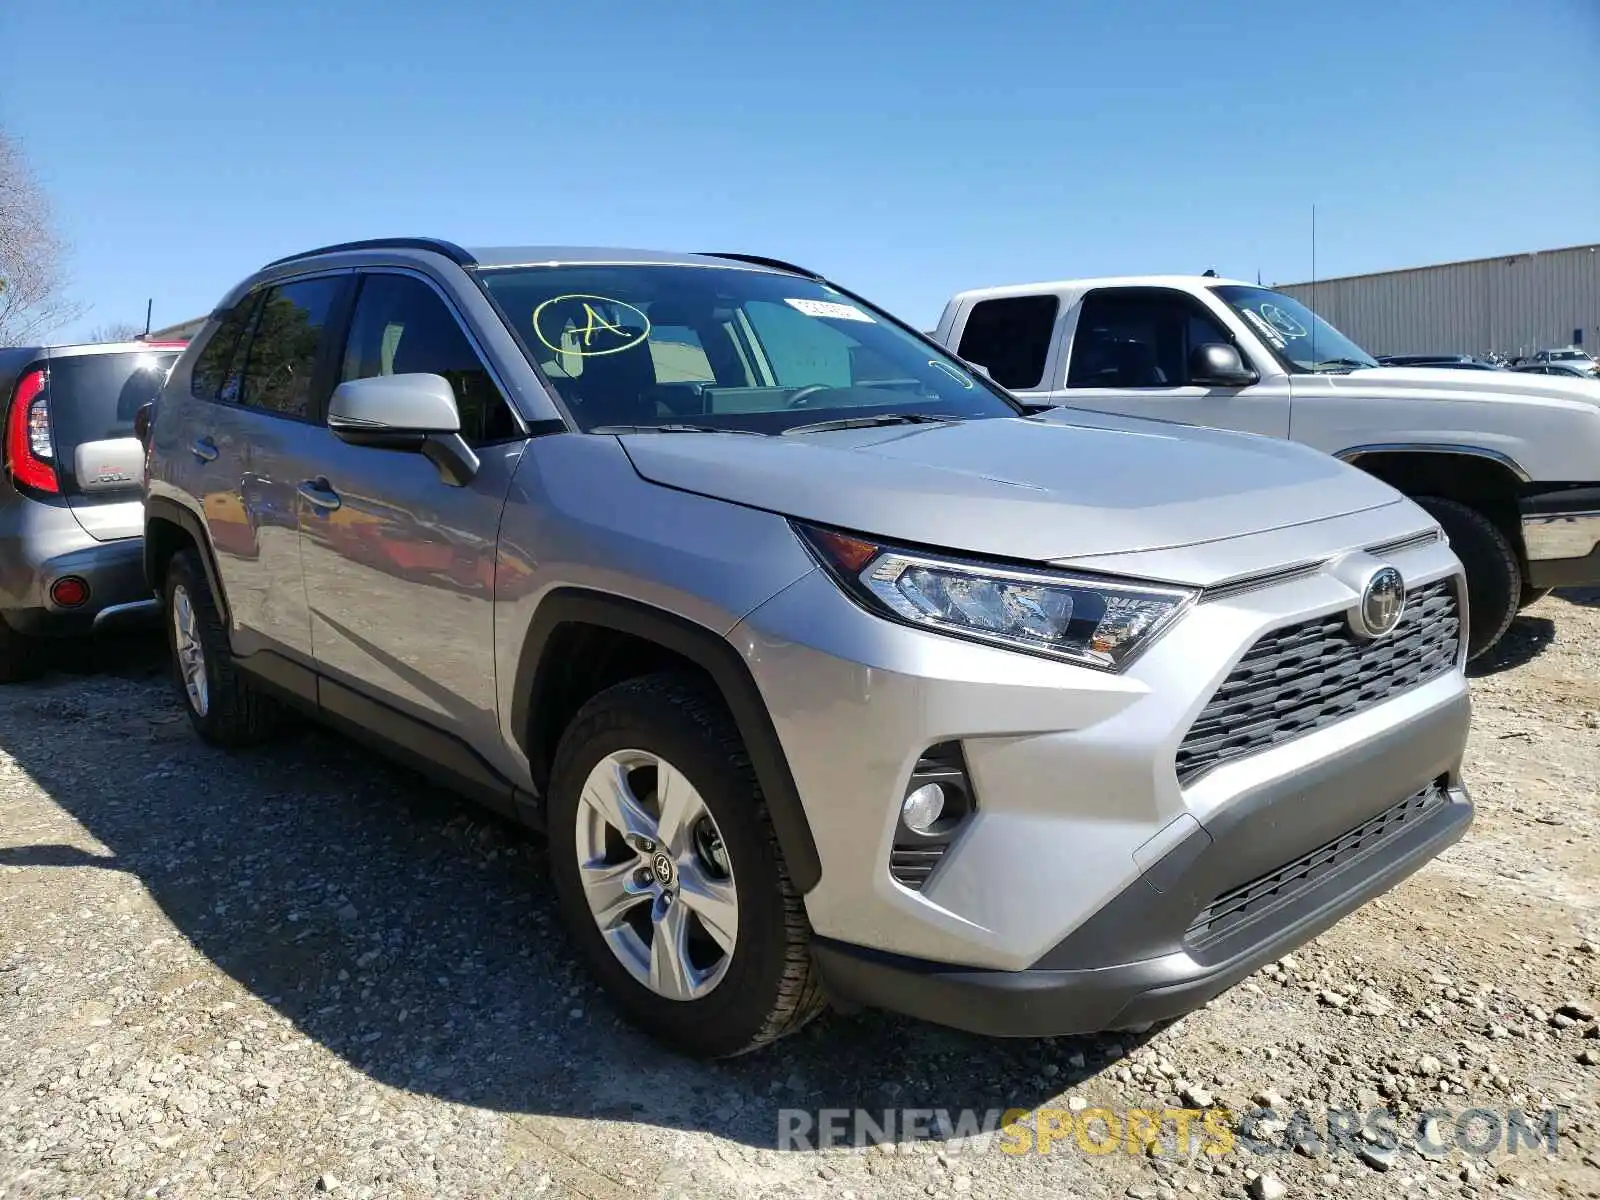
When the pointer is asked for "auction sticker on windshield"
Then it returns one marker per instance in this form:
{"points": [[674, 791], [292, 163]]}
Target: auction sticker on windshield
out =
{"points": [[827, 308], [1266, 330], [1283, 322]]}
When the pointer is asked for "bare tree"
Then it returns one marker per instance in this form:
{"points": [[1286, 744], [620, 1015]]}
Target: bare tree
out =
{"points": [[116, 331], [33, 278]]}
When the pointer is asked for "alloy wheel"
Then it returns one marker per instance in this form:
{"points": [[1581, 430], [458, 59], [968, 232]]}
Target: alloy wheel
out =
{"points": [[190, 653], [656, 874]]}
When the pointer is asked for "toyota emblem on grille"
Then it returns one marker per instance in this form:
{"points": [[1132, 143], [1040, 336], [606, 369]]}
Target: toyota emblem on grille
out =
{"points": [[1383, 599]]}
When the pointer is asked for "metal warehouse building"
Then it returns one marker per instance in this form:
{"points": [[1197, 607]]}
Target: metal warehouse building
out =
{"points": [[1514, 304]]}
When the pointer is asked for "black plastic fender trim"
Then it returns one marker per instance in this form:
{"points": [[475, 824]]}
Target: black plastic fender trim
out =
{"points": [[717, 657], [161, 508]]}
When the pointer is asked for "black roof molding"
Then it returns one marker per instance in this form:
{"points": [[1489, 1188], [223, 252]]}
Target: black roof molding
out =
{"points": [[758, 260], [436, 245]]}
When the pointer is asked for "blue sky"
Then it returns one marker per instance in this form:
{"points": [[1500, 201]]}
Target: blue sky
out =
{"points": [[908, 150]]}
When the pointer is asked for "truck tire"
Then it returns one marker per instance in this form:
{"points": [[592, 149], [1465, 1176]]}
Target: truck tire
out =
{"points": [[1494, 576], [225, 708], [21, 657], [688, 919]]}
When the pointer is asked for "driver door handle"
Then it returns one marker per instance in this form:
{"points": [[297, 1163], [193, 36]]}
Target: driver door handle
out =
{"points": [[319, 492]]}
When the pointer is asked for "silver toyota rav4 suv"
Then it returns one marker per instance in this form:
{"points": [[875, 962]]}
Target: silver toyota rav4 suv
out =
{"points": [[828, 669], [70, 517]]}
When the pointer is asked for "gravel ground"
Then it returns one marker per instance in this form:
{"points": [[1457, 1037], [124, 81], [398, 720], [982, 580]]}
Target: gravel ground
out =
{"points": [[302, 971]]}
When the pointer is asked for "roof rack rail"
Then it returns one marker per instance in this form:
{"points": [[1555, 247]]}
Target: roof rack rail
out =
{"points": [[437, 245], [762, 261]]}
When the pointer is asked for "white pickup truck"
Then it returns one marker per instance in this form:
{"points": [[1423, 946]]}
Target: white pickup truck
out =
{"points": [[1508, 463]]}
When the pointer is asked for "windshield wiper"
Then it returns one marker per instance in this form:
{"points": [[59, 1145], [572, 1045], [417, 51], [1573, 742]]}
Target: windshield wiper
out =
{"points": [[1329, 366], [894, 418], [674, 428]]}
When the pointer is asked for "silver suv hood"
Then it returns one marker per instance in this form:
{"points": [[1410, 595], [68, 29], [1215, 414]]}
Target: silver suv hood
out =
{"points": [[1066, 484]]}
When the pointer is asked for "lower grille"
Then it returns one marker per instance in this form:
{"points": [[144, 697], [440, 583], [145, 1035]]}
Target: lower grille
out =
{"points": [[1260, 896], [1302, 677], [912, 867]]}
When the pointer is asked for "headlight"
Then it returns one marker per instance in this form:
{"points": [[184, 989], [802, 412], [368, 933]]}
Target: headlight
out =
{"points": [[1103, 623]]}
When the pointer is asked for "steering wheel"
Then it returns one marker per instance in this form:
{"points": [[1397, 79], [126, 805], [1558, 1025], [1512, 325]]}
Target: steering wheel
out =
{"points": [[798, 400]]}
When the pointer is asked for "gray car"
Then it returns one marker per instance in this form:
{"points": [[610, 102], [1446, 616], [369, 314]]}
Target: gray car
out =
{"points": [[1569, 360], [828, 669], [70, 513], [1577, 368]]}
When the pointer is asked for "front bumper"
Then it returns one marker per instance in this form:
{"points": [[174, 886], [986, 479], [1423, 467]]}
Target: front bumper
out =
{"points": [[1561, 534], [1075, 989]]}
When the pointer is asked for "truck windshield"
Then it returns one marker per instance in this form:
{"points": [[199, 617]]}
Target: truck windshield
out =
{"points": [[642, 347], [1303, 341]]}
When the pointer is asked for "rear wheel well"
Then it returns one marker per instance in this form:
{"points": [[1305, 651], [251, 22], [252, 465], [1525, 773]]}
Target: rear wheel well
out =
{"points": [[1480, 483], [162, 540], [578, 663]]}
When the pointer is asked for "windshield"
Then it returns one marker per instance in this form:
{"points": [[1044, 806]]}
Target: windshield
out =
{"points": [[675, 347], [1303, 341]]}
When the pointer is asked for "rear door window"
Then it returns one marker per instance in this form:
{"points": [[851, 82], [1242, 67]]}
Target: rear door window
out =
{"points": [[284, 347], [1010, 337]]}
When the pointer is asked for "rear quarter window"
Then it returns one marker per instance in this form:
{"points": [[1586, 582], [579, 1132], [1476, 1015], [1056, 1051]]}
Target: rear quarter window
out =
{"points": [[216, 356]]}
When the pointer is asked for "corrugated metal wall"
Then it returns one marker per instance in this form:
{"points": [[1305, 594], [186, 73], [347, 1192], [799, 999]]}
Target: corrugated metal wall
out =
{"points": [[1515, 304]]}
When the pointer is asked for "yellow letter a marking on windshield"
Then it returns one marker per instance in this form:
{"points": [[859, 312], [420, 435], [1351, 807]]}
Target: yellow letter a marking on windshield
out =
{"points": [[594, 321]]}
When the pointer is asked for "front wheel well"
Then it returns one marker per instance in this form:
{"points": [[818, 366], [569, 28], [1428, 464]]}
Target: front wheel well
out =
{"points": [[1481, 483], [579, 662], [581, 642]]}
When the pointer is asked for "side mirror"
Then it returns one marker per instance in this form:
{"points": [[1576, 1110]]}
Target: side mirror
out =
{"points": [[1217, 364], [405, 412]]}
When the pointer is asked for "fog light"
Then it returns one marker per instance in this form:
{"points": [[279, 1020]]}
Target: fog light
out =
{"points": [[923, 807], [69, 591]]}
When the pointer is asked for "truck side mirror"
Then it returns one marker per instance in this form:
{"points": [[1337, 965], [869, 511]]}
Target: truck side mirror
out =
{"points": [[1217, 364]]}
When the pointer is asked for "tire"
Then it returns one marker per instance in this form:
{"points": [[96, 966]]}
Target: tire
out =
{"points": [[766, 984], [229, 711], [1494, 576], [21, 657], [1532, 595]]}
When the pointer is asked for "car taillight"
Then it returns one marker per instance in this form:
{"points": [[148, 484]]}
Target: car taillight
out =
{"points": [[30, 450]]}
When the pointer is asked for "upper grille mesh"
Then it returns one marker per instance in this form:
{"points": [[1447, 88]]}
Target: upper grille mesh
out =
{"points": [[1305, 676]]}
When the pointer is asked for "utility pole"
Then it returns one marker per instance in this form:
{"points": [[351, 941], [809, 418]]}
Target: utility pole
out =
{"points": [[1313, 282]]}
